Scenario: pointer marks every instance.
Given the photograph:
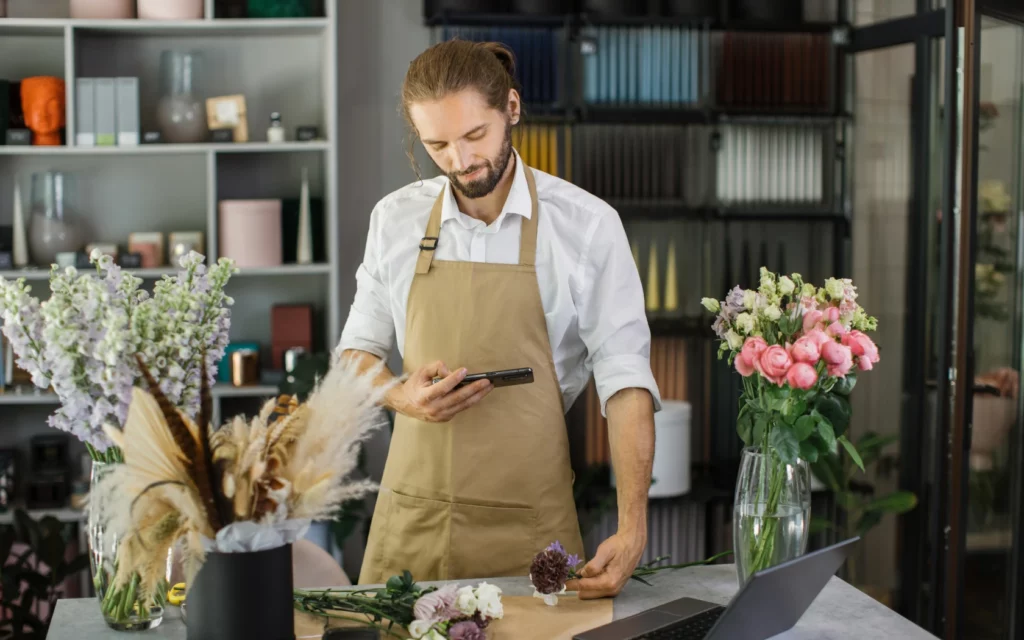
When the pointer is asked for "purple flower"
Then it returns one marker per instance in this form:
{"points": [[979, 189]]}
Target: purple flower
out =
{"points": [[573, 561], [466, 630], [438, 605], [556, 546]]}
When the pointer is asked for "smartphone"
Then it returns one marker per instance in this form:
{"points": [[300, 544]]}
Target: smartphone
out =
{"points": [[505, 378]]}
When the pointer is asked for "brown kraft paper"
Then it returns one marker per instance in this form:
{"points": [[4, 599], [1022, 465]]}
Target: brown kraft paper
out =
{"points": [[526, 618]]}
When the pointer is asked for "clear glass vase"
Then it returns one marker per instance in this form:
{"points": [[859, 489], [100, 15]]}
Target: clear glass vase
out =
{"points": [[125, 608], [181, 110], [53, 225], [771, 513]]}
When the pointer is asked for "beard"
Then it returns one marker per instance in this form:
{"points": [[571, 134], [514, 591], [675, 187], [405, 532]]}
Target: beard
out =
{"points": [[494, 170]]}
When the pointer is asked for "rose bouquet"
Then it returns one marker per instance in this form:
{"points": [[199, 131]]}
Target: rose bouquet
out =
{"points": [[798, 348], [430, 613]]}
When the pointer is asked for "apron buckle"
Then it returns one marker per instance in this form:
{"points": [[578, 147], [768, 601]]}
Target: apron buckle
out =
{"points": [[432, 240]]}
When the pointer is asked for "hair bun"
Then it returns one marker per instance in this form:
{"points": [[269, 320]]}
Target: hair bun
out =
{"points": [[504, 56]]}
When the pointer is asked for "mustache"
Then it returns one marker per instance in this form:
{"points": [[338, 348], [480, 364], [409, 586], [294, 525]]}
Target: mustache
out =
{"points": [[473, 169]]}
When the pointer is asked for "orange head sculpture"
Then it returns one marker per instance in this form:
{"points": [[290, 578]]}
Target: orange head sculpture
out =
{"points": [[42, 100]]}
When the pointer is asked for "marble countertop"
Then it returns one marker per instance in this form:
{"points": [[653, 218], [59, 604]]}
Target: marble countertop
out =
{"points": [[840, 612]]}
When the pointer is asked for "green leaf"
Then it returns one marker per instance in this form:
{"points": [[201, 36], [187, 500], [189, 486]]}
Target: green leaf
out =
{"points": [[850, 449], [825, 432], [777, 397], [868, 521], [836, 409], [745, 427], [897, 502], [803, 428], [808, 451], [793, 409], [844, 386], [785, 444], [821, 524], [760, 426]]}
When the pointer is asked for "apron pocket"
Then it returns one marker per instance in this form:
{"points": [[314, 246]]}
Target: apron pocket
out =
{"points": [[492, 542], [416, 538]]}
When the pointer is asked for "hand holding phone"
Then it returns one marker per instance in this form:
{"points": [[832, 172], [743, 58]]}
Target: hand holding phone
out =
{"points": [[503, 378], [424, 399]]}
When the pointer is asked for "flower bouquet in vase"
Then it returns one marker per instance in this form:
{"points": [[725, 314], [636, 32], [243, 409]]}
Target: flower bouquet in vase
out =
{"points": [[85, 342], [797, 347]]}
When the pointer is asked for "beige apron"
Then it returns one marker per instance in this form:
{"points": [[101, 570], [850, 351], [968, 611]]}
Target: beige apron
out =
{"points": [[478, 496]]}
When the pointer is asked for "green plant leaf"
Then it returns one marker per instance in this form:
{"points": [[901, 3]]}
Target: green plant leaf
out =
{"points": [[897, 502], [847, 500], [793, 409], [836, 409], [821, 524], [808, 451], [844, 386], [825, 432], [745, 427], [803, 428], [760, 426], [785, 444], [868, 521], [850, 449]]}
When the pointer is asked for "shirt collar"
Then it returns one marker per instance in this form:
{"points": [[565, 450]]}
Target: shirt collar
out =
{"points": [[518, 200]]}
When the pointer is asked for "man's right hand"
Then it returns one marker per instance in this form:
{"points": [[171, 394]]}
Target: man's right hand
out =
{"points": [[419, 397]]}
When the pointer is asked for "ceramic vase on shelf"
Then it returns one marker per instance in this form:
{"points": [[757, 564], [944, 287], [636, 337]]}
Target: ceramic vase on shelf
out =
{"points": [[771, 512], [177, 10], [19, 248], [53, 228], [181, 110], [102, 9], [124, 608]]}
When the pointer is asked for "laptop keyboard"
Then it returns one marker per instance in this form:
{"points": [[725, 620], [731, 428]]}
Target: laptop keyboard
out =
{"points": [[692, 628]]}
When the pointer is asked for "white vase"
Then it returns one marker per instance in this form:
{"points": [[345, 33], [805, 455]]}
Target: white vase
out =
{"points": [[20, 240], [171, 9], [304, 251]]}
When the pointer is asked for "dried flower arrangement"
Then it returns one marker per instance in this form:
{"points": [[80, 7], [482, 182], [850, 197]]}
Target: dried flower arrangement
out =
{"points": [[219, 490]]}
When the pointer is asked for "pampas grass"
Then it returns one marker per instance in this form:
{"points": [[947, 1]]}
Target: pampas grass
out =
{"points": [[292, 461]]}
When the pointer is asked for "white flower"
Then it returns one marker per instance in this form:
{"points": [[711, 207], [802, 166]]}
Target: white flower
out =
{"points": [[711, 304], [834, 288], [773, 313], [745, 323], [809, 291], [786, 286], [419, 628], [749, 299], [488, 599], [434, 635], [465, 601], [735, 340]]}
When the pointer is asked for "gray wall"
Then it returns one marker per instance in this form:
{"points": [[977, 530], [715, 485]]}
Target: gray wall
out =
{"points": [[376, 41]]}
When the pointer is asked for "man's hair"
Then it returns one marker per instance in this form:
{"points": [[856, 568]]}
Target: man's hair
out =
{"points": [[453, 66]]}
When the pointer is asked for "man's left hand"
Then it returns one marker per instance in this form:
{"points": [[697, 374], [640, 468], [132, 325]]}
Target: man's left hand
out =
{"points": [[610, 568]]}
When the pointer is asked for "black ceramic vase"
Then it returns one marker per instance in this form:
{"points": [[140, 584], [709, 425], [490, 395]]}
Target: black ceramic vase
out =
{"points": [[241, 596]]}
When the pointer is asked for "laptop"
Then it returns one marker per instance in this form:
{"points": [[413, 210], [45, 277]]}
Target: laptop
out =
{"points": [[772, 601]]}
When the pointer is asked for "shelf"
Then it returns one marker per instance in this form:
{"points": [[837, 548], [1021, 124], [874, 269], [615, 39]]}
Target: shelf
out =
{"points": [[64, 514], [638, 114], [457, 19], [159, 272], [217, 27], [460, 19], [285, 270], [673, 210], [265, 391], [171, 149], [30, 397]]}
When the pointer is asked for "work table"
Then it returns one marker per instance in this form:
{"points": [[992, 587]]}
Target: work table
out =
{"points": [[840, 612]]}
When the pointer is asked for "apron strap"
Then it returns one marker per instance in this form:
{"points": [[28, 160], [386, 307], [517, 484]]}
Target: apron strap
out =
{"points": [[428, 245], [527, 231]]}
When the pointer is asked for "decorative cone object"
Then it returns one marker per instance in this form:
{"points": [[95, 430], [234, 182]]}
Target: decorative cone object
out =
{"points": [[304, 252], [20, 249], [671, 288], [653, 298]]}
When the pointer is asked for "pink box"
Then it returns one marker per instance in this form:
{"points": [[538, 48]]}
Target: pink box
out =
{"points": [[250, 232]]}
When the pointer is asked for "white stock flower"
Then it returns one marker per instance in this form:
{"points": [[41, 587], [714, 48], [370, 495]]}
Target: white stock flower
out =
{"points": [[465, 601], [773, 313], [745, 323], [489, 601], [786, 286], [434, 635], [419, 628], [749, 299], [711, 304], [735, 340]]}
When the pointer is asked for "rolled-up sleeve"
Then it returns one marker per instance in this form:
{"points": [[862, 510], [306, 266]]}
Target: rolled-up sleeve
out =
{"points": [[370, 326], [610, 305]]}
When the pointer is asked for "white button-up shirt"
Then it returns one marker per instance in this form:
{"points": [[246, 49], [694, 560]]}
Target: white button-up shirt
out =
{"points": [[589, 286]]}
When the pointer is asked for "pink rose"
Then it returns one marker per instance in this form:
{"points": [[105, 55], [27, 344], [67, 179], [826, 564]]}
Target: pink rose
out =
{"points": [[805, 349], [746, 359], [832, 315], [811, 319], [744, 366], [864, 363], [774, 363], [835, 330], [818, 337], [838, 358], [861, 346], [802, 376]]}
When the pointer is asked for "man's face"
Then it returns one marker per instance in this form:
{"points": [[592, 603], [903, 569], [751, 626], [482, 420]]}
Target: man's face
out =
{"points": [[468, 140]]}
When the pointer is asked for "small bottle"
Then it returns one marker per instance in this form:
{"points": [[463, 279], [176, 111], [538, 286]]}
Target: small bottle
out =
{"points": [[275, 133]]}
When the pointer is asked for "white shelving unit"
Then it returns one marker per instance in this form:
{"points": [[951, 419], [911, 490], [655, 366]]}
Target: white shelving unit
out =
{"points": [[285, 65]]}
